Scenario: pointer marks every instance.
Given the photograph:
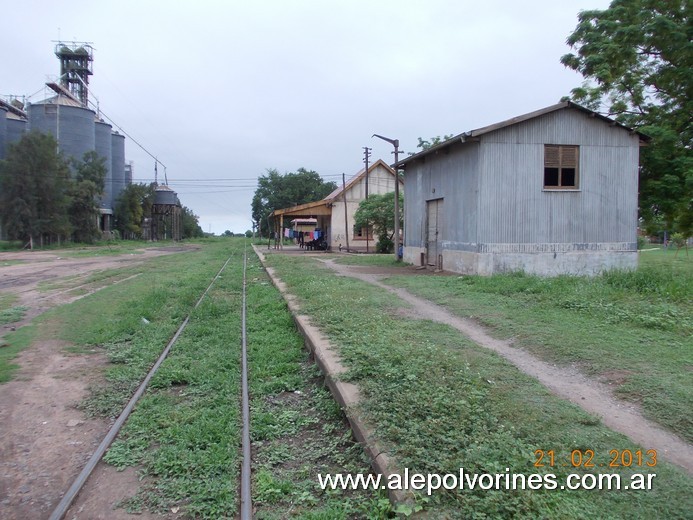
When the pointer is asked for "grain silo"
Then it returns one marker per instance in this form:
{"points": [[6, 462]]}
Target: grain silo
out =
{"points": [[117, 165], [67, 120], [14, 125], [102, 140], [3, 130]]}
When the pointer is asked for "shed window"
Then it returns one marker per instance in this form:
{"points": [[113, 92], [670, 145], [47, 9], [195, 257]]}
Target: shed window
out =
{"points": [[561, 166]]}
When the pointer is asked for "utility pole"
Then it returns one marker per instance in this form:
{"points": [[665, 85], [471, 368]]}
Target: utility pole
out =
{"points": [[366, 155], [395, 143], [346, 214]]}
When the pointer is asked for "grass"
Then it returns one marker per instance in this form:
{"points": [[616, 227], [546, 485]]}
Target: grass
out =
{"points": [[184, 432], [376, 260], [183, 435], [667, 258], [10, 245], [441, 403], [20, 339], [12, 315], [7, 301], [631, 330], [7, 263], [297, 429]]}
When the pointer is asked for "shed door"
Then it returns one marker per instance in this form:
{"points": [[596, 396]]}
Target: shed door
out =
{"points": [[434, 210]]}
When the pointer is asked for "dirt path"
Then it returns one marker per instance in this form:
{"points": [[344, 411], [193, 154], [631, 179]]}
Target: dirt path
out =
{"points": [[592, 396], [22, 279], [45, 439]]}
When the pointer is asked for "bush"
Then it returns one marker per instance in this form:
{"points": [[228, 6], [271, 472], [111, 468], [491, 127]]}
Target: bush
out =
{"points": [[385, 245]]}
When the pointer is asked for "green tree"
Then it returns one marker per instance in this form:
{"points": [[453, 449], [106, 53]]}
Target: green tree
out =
{"points": [[34, 185], [228, 233], [133, 206], [637, 60], [191, 224], [425, 144], [276, 191], [86, 188], [378, 211]]}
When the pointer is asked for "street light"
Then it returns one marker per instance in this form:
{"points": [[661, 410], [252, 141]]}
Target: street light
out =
{"points": [[395, 143]]}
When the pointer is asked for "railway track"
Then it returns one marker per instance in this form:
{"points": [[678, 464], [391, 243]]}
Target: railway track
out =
{"points": [[274, 395], [246, 503]]}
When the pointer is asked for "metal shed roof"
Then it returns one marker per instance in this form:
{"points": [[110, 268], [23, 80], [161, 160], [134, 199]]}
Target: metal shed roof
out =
{"points": [[472, 134]]}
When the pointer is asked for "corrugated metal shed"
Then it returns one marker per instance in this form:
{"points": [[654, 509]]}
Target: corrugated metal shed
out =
{"points": [[499, 213]]}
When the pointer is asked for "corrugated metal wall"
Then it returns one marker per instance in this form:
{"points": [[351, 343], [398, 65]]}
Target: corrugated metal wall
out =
{"points": [[3, 131], [103, 148], [451, 176], [16, 128], [117, 164], [515, 208], [73, 127], [494, 193]]}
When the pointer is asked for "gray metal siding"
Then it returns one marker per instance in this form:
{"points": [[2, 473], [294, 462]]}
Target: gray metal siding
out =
{"points": [[103, 148], [514, 207], [3, 131], [73, 127], [117, 164], [16, 128], [452, 177]]}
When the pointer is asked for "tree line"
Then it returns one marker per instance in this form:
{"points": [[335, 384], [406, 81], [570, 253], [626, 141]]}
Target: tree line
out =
{"points": [[277, 191], [47, 198]]}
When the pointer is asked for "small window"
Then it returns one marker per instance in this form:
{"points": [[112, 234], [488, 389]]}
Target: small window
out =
{"points": [[561, 166], [362, 233]]}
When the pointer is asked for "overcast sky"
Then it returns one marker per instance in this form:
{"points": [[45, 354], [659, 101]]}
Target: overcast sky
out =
{"points": [[221, 91]]}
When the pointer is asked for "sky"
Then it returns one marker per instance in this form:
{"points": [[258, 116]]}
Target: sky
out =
{"points": [[222, 91]]}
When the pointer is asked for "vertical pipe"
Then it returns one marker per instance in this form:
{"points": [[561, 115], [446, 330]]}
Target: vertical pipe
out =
{"points": [[397, 257], [366, 150], [346, 214]]}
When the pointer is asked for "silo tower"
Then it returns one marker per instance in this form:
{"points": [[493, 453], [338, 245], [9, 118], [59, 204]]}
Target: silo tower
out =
{"points": [[75, 68]]}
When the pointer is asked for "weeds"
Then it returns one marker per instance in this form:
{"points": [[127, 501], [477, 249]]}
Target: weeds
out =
{"points": [[635, 323], [441, 403], [297, 429], [184, 434], [12, 315]]}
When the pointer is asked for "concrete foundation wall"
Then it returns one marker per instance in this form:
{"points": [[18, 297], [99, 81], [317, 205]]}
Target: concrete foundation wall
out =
{"points": [[412, 255], [542, 259]]}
